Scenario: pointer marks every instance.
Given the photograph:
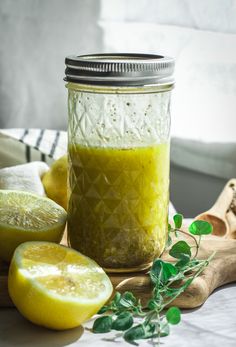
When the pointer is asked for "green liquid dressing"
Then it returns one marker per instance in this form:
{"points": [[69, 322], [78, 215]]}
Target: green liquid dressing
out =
{"points": [[119, 203]]}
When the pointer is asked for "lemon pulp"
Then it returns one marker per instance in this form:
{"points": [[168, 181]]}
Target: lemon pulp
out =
{"points": [[25, 217]]}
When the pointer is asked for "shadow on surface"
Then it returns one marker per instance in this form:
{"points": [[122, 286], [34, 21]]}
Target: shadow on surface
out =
{"points": [[27, 334]]}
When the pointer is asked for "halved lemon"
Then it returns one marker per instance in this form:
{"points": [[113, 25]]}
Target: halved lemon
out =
{"points": [[28, 217], [55, 286]]}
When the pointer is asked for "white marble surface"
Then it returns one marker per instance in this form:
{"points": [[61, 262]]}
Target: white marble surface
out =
{"points": [[214, 324]]}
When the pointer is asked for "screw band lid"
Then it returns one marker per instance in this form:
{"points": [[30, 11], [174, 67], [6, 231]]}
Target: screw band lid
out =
{"points": [[122, 69]]}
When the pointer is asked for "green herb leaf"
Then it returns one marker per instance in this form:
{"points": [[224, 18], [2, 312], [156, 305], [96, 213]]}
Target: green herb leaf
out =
{"points": [[127, 300], [164, 328], [185, 259], [178, 220], [103, 309], [102, 324], [157, 297], [173, 315], [162, 271], [200, 227], [152, 304], [180, 249], [150, 329], [168, 241], [124, 321], [117, 298], [169, 227], [176, 233], [140, 331], [194, 262], [135, 333]]}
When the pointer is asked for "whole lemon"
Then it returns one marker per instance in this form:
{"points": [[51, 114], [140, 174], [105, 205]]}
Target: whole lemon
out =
{"points": [[55, 181]]}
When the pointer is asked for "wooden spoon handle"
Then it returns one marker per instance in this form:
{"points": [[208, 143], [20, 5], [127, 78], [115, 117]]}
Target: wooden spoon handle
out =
{"points": [[231, 218], [225, 199]]}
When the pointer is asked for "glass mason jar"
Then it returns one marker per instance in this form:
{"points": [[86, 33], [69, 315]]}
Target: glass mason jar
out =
{"points": [[118, 148]]}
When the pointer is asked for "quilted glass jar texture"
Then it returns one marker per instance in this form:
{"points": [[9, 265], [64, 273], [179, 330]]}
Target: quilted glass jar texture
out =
{"points": [[118, 153]]}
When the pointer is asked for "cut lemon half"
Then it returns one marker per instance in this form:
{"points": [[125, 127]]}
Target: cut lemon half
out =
{"points": [[27, 217], [55, 286]]}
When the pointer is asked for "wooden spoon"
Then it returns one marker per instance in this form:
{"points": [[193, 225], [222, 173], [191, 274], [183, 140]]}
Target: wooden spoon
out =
{"points": [[216, 215], [231, 218]]}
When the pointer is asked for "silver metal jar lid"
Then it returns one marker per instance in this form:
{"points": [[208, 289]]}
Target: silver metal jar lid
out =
{"points": [[123, 69]]}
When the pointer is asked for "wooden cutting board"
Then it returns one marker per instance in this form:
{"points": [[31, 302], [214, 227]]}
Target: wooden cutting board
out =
{"points": [[222, 270]]}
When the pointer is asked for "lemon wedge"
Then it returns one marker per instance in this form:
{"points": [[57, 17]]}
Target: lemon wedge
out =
{"points": [[55, 286], [27, 217]]}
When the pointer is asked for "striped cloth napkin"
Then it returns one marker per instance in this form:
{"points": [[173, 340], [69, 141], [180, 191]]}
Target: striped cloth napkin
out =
{"points": [[18, 146]]}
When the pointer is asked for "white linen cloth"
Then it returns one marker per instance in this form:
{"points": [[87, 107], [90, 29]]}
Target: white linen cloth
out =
{"points": [[25, 177]]}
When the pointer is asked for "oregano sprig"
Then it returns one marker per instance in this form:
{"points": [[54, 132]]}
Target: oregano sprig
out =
{"points": [[169, 279]]}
